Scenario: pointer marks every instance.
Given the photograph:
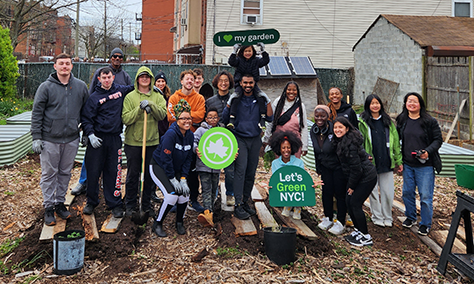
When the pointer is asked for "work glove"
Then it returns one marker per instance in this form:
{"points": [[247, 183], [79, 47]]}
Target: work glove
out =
{"points": [[184, 185], [96, 142], [236, 47], [177, 187], [84, 140], [37, 146], [145, 106], [261, 45]]}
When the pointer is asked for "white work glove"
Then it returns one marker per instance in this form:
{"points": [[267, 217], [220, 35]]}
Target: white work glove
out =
{"points": [[236, 47], [184, 185], [96, 142], [37, 146], [177, 187], [261, 45]]}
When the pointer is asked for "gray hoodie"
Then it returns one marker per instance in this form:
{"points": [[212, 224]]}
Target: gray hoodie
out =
{"points": [[57, 108]]}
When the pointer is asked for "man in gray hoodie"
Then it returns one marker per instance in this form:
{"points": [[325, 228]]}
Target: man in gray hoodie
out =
{"points": [[55, 129]]}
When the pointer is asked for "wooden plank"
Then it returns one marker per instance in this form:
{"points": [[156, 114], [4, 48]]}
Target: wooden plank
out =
{"points": [[69, 198], [48, 232], [244, 227], [300, 226], [461, 233], [262, 188], [111, 225], [451, 129], [224, 206], [90, 227], [265, 217], [441, 236], [256, 196]]}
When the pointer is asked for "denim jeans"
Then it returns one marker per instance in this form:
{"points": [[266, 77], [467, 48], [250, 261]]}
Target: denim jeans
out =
{"points": [[423, 178], [209, 184]]}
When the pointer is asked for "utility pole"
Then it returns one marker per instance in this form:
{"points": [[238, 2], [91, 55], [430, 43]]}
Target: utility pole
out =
{"points": [[76, 43], [105, 29]]}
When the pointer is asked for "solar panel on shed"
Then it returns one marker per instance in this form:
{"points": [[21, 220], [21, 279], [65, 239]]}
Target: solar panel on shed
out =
{"points": [[302, 66], [278, 66], [262, 71]]}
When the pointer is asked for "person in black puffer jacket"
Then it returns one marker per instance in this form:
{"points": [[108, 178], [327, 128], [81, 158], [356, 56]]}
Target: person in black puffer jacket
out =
{"points": [[361, 174]]}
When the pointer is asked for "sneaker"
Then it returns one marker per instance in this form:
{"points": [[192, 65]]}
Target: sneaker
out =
{"points": [[79, 189], [286, 211], [297, 213], [387, 223], [230, 126], [423, 230], [378, 223], [408, 223], [61, 211], [361, 240], [249, 209], [336, 229], [230, 200], [117, 212], [49, 218], [240, 213], [325, 224], [206, 219], [352, 236], [88, 209], [195, 206]]}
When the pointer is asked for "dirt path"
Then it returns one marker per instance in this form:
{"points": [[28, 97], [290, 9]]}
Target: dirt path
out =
{"points": [[135, 255]]}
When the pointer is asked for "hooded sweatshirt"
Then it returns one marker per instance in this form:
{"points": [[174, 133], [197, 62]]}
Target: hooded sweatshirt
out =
{"points": [[346, 111], [57, 109], [174, 153], [121, 78], [195, 100], [102, 112], [133, 116]]}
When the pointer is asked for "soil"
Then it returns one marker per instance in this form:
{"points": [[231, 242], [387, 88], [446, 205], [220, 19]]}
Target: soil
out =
{"points": [[211, 255]]}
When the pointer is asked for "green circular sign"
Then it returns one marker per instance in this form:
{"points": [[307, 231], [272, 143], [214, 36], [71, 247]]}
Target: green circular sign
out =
{"points": [[218, 147]]}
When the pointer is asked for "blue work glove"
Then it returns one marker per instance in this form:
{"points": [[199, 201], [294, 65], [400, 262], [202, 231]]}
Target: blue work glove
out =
{"points": [[96, 142], [236, 47], [177, 187], [184, 185], [37, 146], [145, 106], [261, 45]]}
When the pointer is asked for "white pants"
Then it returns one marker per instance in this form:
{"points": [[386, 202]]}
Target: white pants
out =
{"points": [[381, 204]]}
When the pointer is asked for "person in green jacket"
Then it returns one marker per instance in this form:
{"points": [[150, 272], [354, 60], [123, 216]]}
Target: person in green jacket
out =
{"points": [[142, 99], [381, 142]]}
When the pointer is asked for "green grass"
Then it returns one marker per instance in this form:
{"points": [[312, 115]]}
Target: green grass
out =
{"points": [[229, 252], [9, 245]]}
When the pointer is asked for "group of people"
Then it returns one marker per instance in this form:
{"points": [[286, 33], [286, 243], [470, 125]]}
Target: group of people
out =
{"points": [[354, 157]]}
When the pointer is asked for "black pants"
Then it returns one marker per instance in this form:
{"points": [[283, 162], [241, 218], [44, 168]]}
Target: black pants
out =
{"points": [[355, 201], [106, 159], [334, 186], [245, 167], [132, 185], [193, 180]]}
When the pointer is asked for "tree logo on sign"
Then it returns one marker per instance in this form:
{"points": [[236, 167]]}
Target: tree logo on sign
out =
{"points": [[218, 147]]}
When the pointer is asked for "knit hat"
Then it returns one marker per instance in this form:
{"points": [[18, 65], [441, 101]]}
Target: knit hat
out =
{"points": [[180, 107], [324, 107], [116, 50], [161, 75]]}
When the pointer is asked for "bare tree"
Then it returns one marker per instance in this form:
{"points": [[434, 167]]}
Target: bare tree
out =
{"points": [[22, 16]]}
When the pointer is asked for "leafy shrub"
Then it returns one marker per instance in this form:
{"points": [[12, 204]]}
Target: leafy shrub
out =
{"points": [[9, 66]]}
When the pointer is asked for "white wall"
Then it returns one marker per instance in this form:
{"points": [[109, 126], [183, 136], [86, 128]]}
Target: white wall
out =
{"points": [[388, 53], [324, 30]]}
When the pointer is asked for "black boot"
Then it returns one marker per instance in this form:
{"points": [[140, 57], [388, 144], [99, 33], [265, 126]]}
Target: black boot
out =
{"points": [[158, 229], [180, 210], [180, 228]]}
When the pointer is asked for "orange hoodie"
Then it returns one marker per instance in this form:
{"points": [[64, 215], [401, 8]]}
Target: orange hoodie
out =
{"points": [[195, 100]]}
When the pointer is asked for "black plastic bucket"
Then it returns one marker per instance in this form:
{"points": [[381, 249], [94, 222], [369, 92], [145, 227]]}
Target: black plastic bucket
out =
{"points": [[68, 252], [280, 245]]}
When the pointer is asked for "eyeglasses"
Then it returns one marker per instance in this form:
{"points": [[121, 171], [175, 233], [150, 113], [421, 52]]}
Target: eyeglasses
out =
{"points": [[117, 56], [213, 118], [185, 118]]}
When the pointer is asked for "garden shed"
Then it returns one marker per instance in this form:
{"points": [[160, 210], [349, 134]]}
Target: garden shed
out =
{"points": [[431, 55]]}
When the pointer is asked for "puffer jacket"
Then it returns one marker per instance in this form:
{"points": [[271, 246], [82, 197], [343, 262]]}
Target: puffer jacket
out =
{"points": [[250, 66]]}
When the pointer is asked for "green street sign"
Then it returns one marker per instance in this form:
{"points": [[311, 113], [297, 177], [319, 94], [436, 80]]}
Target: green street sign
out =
{"points": [[218, 147], [291, 186], [247, 37]]}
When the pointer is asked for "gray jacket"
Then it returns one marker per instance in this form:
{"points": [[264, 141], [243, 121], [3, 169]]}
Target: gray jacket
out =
{"points": [[219, 102], [200, 167], [121, 78], [57, 109]]}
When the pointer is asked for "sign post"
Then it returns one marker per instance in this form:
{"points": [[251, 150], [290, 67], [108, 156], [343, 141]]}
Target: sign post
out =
{"points": [[291, 186], [247, 37]]}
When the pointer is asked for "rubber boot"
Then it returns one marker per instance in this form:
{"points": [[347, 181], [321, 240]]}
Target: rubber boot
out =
{"points": [[158, 229], [180, 211], [206, 219]]}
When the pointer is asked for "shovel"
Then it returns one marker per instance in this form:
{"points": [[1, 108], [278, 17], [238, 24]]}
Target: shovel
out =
{"points": [[141, 217]]}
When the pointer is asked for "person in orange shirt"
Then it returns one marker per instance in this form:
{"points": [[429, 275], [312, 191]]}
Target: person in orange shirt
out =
{"points": [[194, 99], [198, 105]]}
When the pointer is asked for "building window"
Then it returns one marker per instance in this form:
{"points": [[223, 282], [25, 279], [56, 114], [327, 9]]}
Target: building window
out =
{"points": [[462, 8], [252, 12]]}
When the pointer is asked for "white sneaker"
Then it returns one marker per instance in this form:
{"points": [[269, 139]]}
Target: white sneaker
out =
{"points": [[297, 213], [337, 228], [325, 224], [286, 211], [387, 223], [379, 223]]}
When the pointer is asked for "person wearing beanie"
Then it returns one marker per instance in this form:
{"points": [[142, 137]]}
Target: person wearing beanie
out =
{"points": [[121, 78]]}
